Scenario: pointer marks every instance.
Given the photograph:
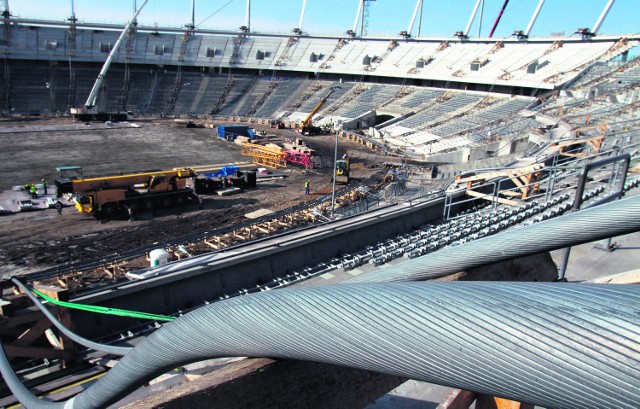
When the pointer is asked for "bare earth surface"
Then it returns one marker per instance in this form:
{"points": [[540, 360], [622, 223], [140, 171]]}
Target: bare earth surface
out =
{"points": [[32, 241]]}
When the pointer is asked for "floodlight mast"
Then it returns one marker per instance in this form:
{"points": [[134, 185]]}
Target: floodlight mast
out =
{"points": [[89, 106]]}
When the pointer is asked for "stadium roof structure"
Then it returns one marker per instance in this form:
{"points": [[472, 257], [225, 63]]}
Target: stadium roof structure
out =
{"points": [[541, 63], [415, 18]]}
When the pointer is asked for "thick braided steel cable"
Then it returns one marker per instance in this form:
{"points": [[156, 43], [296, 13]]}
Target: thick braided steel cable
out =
{"points": [[601, 222], [550, 344]]}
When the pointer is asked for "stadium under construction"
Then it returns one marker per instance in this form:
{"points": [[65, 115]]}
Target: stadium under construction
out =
{"points": [[439, 278]]}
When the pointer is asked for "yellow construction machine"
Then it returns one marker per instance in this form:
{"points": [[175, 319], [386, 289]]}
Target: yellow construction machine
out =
{"points": [[104, 196], [343, 167], [307, 127]]}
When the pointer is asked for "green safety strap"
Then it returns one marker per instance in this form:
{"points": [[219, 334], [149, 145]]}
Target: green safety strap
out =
{"points": [[104, 310]]}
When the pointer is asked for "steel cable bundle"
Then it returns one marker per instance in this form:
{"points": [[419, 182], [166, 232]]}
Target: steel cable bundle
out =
{"points": [[550, 344]]}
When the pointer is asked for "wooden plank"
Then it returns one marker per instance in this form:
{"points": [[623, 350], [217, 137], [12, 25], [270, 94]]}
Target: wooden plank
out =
{"points": [[515, 179], [60, 294], [492, 198], [213, 246], [635, 169], [7, 308], [14, 351], [17, 301], [22, 317], [458, 399], [495, 174], [107, 272], [239, 236], [511, 193], [482, 176], [577, 141], [64, 316], [11, 333], [628, 277], [34, 332]]}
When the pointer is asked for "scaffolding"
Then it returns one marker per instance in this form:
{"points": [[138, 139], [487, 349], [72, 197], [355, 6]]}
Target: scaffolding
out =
{"points": [[270, 156]]}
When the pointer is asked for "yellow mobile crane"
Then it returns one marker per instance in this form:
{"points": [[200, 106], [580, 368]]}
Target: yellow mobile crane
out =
{"points": [[306, 126], [104, 196]]}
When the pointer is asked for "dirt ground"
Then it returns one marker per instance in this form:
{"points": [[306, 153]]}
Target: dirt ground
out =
{"points": [[33, 241]]}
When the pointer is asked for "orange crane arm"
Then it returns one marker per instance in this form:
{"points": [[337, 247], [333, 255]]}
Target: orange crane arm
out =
{"points": [[119, 181], [307, 120]]}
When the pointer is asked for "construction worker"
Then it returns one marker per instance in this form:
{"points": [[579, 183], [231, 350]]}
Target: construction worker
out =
{"points": [[44, 185], [34, 191], [129, 212], [307, 189], [58, 207], [27, 189]]}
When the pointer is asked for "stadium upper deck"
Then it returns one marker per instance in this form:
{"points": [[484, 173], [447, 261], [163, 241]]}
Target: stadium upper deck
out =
{"points": [[446, 100], [535, 63]]}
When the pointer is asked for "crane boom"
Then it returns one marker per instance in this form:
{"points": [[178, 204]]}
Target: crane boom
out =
{"points": [[91, 100], [307, 120]]}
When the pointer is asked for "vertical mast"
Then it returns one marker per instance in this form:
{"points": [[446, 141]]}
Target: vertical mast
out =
{"points": [[603, 15], [413, 17], [471, 18], [355, 22], [495, 25], [5, 8], [480, 22], [533, 18], [247, 18], [304, 6], [420, 19], [192, 25]]}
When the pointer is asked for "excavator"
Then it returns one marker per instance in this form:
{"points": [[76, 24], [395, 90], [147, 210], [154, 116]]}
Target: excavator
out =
{"points": [[306, 127], [105, 196]]}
